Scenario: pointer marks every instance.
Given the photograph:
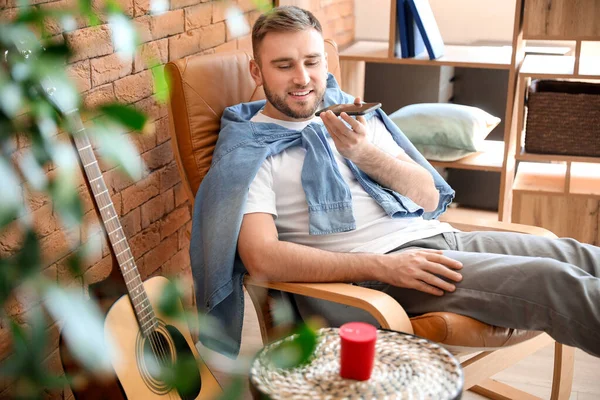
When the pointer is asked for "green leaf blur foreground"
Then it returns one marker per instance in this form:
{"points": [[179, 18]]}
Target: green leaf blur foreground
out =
{"points": [[296, 350]]}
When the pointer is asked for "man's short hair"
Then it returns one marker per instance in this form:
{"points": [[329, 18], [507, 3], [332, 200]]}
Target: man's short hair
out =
{"points": [[282, 19]]}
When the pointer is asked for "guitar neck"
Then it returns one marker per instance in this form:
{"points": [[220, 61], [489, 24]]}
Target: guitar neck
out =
{"points": [[111, 223]]}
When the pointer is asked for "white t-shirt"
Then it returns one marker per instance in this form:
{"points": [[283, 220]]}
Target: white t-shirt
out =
{"points": [[277, 190]]}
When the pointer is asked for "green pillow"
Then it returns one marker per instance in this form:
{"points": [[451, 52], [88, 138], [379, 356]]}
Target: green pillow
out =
{"points": [[443, 131]]}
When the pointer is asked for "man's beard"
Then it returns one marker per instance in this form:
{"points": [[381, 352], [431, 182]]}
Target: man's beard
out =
{"points": [[280, 104]]}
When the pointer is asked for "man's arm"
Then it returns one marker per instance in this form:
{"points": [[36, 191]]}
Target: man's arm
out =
{"points": [[265, 256], [401, 174]]}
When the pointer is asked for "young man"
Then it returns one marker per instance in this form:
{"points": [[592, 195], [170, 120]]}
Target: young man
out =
{"points": [[333, 199]]}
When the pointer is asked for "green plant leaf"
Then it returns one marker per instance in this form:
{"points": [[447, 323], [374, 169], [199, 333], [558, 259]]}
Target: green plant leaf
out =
{"points": [[296, 350], [124, 115], [28, 259], [11, 199], [160, 84], [169, 302], [234, 390], [82, 328]]}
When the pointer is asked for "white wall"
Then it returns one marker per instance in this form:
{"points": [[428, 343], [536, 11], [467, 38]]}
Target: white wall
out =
{"points": [[460, 21]]}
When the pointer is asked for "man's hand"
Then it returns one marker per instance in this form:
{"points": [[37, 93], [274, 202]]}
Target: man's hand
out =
{"points": [[421, 269], [351, 143]]}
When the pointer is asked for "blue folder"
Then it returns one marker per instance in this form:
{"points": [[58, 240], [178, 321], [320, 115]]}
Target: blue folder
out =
{"points": [[416, 46], [402, 44], [425, 21]]}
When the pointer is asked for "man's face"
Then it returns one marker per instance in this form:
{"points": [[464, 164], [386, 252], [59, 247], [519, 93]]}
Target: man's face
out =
{"points": [[292, 67]]}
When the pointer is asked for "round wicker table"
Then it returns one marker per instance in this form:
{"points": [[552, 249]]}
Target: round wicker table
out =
{"points": [[406, 367]]}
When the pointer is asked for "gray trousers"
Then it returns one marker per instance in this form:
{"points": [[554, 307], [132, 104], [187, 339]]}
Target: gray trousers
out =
{"points": [[510, 280]]}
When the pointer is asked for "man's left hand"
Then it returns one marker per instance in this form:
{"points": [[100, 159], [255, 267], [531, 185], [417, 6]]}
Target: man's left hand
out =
{"points": [[351, 143]]}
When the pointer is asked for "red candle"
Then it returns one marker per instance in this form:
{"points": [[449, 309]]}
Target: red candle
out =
{"points": [[358, 350]]}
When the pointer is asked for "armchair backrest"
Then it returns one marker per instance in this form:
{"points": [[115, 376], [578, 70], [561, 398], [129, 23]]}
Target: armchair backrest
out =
{"points": [[201, 87]]}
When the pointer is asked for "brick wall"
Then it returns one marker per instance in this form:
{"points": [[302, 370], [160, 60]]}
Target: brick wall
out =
{"points": [[336, 17], [154, 211]]}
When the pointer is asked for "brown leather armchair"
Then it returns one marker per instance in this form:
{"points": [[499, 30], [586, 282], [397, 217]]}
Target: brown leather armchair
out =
{"points": [[201, 88]]}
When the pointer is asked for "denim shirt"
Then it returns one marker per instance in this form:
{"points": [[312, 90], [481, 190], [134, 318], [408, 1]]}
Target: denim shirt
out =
{"points": [[241, 149]]}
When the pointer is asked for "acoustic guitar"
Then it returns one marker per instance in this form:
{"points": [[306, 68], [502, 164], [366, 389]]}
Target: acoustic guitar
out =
{"points": [[144, 337]]}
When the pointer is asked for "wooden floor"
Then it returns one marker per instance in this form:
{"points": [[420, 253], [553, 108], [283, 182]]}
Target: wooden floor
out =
{"points": [[534, 374]]}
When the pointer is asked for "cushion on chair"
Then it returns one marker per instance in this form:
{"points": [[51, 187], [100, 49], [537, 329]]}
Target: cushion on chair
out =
{"points": [[460, 332]]}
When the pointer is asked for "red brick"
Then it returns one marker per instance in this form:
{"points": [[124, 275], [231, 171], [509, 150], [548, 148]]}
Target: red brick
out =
{"points": [[145, 140], [20, 301], [143, 28], [184, 3], [89, 42], [86, 199], [131, 223], [5, 343], [125, 5], [245, 43], [159, 255], [54, 247], [183, 236], [116, 180], [53, 25], [80, 74], [162, 130], [11, 239], [227, 46], [141, 192], [145, 241], [179, 262], [151, 108], [99, 271], [134, 87], [169, 177], [167, 24], [151, 52], [109, 68], [196, 40], [220, 9], [181, 196], [158, 157], [141, 7], [246, 5], [44, 220], [156, 208], [98, 96], [175, 220], [198, 16]]}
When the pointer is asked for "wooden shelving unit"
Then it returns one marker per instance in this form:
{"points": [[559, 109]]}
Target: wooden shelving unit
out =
{"points": [[493, 57], [557, 192], [490, 159]]}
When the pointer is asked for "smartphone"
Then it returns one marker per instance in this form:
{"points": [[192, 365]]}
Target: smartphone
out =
{"points": [[351, 109]]}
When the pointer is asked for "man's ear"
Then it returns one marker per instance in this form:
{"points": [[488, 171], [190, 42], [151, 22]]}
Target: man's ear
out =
{"points": [[326, 66], [255, 72]]}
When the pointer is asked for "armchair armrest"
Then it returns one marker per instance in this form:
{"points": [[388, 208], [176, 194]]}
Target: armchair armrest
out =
{"points": [[476, 224], [380, 305]]}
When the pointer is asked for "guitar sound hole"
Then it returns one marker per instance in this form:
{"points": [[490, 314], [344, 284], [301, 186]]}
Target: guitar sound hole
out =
{"points": [[157, 346]]}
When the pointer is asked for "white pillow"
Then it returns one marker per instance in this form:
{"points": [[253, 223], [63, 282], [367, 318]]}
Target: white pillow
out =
{"points": [[443, 131]]}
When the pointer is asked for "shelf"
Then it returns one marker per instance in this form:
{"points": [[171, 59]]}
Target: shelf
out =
{"points": [[544, 66], [472, 215], [524, 156], [547, 178], [551, 179], [490, 159], [495, 57]]}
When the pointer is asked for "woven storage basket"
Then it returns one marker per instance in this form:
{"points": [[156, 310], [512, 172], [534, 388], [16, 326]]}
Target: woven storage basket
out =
{"points": [[563, 118]]}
